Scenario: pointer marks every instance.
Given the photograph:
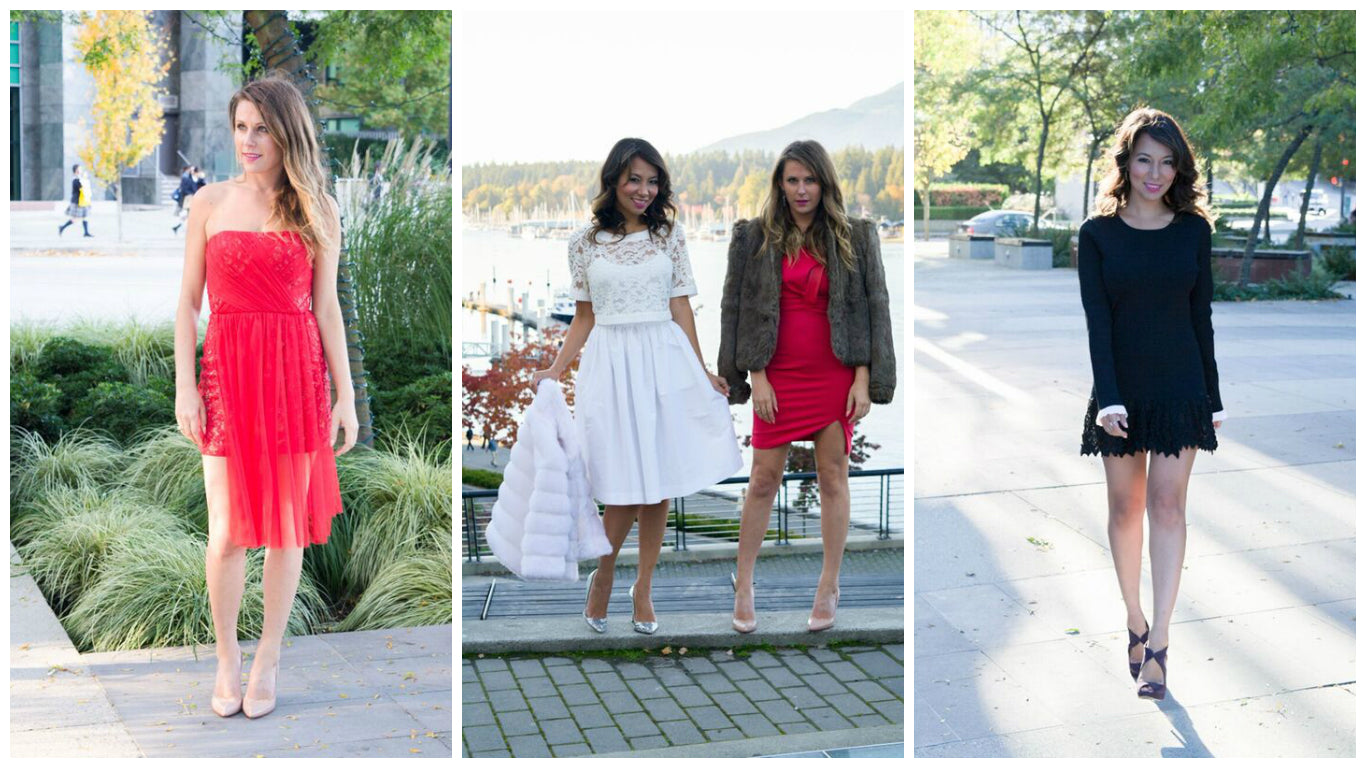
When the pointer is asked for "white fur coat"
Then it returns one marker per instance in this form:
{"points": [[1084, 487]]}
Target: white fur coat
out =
{"points": [[545, 521]]}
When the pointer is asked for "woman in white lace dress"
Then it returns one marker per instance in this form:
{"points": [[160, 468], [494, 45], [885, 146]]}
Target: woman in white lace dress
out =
{"points": [[654, 422]]}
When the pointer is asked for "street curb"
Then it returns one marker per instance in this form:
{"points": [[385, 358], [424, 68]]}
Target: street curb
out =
{"points": [[678, 630], [778, 745], [704, 553]]}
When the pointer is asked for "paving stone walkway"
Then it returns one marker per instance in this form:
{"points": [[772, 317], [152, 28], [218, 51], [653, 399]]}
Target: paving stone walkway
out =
{"points": [[557, 705]]}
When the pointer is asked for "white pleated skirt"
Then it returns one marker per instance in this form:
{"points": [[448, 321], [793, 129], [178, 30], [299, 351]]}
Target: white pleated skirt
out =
{"points": [[651, 425]]}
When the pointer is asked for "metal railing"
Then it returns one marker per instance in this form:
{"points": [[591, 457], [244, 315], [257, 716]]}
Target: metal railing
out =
{"points": [[876, 510]]}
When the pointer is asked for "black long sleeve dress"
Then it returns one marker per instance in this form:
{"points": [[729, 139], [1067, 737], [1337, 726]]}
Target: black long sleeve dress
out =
{"points": [[1147, 296]]}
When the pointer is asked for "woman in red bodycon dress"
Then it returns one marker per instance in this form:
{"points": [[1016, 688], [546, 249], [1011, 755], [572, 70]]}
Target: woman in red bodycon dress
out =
{"points": [[804, 312], [266, 243]]}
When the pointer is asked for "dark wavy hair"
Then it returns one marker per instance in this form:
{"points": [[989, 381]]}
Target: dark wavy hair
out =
{"points": [[658, 216], [1185, 195], [782, 232]]}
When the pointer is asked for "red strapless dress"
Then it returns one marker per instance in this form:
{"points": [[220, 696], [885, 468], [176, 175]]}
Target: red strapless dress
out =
{"points": [[265, 390], [809, 382]]}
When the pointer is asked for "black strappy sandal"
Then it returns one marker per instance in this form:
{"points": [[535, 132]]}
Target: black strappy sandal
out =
{"points": [[1157, 691], [1136, 641]]}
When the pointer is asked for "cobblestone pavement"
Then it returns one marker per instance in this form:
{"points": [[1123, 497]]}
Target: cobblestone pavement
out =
{"points": [[557, 705]]}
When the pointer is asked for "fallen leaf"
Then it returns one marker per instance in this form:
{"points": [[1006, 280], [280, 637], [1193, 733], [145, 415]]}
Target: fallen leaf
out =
{"points": [[342, 695], [24, 647], [415, 750], [666, 650], [1072, 631], [409, 675], [683, 651]]}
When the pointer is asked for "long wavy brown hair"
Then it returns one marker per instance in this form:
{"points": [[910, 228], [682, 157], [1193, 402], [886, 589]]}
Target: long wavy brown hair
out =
{"points": [[302, 201], [782, 232], [1185, 195], [658, 216]]}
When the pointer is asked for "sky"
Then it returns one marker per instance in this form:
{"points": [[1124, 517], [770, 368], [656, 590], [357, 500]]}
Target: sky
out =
{"points": [[566, 86]]}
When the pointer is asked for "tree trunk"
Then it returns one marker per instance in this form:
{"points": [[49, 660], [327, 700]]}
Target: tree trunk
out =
{"points": [[1038, 173], [1086, 186], [925, 207], [280, 51], [1309, 189], [1264, 209]]}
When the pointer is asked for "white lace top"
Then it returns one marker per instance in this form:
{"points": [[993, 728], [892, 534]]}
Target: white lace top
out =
{"points": [[630, 279]]}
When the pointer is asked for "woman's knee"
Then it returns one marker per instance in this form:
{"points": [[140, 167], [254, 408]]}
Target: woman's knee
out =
{"points": [[223, 549], [1127, 507], [1167, 510], [765, 481]]}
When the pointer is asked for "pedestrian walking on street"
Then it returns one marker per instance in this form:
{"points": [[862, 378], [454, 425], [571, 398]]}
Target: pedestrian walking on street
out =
{"points": [[79, 207], [182, 196], [469, 438], [653, 421], [804, 313], [266, 244], [493, 449], [1143, 261]]}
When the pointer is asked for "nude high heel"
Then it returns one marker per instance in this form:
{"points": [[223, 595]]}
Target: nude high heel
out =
{"points": [[743, 627], [254, 708], [819, 625], [230, 705]]}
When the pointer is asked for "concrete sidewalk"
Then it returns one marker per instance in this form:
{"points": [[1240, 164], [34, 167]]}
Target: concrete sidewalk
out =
{"points": [[382, 693], [1019, 625]]}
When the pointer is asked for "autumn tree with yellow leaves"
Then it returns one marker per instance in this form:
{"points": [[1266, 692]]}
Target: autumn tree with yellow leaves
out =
{"points": [[127, 61]]}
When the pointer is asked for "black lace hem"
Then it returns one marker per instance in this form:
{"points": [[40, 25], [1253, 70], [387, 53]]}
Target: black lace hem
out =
{"points": [[1163, 427]]}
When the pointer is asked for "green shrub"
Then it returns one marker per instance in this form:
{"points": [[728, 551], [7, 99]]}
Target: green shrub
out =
{"points": [[1317, 285], [72, 532], [123, 410], [949, 212], [76, 368], [406, 496], [480, 478], [414, 591], [79, 459], [422, 406], [394, 366], [170, 470], [152, 593], [400, 251], [1061, 238], [144, 350], [1339, 261], [35, 405], [26, 342], [968, 194]]}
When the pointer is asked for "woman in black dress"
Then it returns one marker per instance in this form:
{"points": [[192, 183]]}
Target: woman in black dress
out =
{"points": [[1146, 285]]}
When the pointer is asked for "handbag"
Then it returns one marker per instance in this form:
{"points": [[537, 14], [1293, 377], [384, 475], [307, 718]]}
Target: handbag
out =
{"points": [[82, 199], [175, 195]]}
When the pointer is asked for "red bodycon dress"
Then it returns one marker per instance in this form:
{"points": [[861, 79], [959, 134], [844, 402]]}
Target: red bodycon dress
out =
{"points": [[809, 382]]}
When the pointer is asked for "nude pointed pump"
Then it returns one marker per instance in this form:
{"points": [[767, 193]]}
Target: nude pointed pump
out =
{"points": [[254, 708], [230, 705], [743, 627], [814, 624]]}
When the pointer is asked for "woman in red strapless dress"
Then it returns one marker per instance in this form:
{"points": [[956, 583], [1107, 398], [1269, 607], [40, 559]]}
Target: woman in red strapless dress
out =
{"points": [[266, 244]]}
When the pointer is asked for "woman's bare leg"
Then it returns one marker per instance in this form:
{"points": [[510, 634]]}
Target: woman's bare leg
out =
{"points": [[279, 583], [1168, 478], [654, 519], [832, 476], [765, 477], [617, 520], [1125, 484], [225, 568]]}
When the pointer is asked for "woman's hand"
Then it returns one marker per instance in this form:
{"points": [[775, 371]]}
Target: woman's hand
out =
{"points": [[1217, 424], [549, 373], [719, 384], [765, 401], [344, 417], [857, 403], [189, 414], [1114, 424]]}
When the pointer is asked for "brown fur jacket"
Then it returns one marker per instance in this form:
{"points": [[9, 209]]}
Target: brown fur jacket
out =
{"points": [[860, 322]]}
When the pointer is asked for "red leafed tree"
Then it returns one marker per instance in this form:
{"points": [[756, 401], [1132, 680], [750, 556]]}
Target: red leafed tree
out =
{"points": [[499, 397]]}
